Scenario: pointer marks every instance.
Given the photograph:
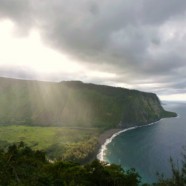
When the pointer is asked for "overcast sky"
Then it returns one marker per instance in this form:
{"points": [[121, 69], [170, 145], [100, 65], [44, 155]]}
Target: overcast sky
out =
{"points": [[127, 43]]}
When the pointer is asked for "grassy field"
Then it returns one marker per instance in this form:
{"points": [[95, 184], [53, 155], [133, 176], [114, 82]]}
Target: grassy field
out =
{"points": [[65, 143]]}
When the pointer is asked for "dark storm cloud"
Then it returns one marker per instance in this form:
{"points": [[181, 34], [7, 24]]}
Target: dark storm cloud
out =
{"points": [[157, 12], [137, 40], [14, 9]]}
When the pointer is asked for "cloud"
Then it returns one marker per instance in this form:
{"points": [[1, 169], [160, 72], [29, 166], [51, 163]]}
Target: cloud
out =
{"points": [[136, 40], [19, 12], [16, 72]]}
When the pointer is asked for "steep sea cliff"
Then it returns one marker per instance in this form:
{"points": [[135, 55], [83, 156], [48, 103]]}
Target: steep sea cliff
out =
{"points": [[76, 104], [143, 108]]}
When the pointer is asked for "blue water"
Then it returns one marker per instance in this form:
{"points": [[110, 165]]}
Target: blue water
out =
{"points": [[148, 149]]}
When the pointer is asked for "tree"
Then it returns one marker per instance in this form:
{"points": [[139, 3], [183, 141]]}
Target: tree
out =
{"points": [[20, 166], [178, 174]]}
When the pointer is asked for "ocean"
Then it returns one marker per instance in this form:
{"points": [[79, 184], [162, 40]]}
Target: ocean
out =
{"points": [[148, 149]]}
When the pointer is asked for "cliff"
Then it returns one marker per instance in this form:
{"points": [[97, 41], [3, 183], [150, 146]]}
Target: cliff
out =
{"points": [[76, 104], [143, 108]]}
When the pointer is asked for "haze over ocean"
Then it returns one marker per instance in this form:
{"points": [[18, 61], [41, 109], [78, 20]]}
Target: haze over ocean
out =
{"points": [[148, 149]]}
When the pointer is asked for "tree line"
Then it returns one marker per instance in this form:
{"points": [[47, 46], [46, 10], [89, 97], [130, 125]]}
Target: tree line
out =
{"points": [[22, 166]]}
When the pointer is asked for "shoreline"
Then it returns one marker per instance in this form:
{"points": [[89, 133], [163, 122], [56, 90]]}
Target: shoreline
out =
{"points": [[102, 141], [106, 137]]}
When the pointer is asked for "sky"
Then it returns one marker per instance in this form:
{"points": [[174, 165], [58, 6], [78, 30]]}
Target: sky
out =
{"points": [[124, 43]]}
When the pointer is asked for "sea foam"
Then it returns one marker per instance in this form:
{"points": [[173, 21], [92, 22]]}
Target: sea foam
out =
{"points": [[103, 148]]}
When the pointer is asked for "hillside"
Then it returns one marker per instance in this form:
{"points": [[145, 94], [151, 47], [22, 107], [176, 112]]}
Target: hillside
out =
{"points": [[76, 104]]}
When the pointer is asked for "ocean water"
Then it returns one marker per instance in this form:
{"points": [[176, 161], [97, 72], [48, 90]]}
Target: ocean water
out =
{"points": [[148, 149]]}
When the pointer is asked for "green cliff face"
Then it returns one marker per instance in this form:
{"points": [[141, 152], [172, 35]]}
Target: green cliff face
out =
{"points": [[143, 108], [76, 104]]}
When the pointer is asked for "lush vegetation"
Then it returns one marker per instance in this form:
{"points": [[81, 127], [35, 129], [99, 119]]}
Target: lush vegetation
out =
{"points": [[22, 166], [75, 104], [78, 145]]}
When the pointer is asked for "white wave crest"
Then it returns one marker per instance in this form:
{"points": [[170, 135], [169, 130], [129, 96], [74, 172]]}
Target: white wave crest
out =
{"points": [[103, 148]]}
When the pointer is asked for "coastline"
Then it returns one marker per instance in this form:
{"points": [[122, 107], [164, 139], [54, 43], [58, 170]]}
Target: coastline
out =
{"points": [[106, 137], [102, 141]]}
